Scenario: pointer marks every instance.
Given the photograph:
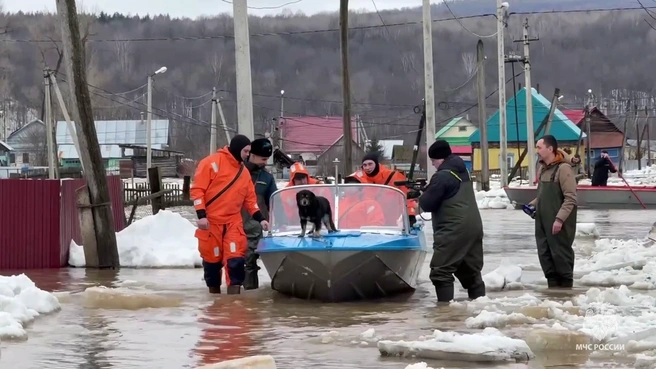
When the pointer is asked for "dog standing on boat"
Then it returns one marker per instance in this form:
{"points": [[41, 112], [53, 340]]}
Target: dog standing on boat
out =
{"points": [[315, 209]]}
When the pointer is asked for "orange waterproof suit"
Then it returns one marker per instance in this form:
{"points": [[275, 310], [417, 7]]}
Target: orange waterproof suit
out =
{"points": [[221, 188], [387, 177], [289, 198], [359, 209]]}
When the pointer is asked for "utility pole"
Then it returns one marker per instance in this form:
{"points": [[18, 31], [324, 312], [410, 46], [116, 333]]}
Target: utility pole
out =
{"points": [[149, 127], [69, 123], [429, 94], [482, 121], [648, 139], [503, 131], [48, 117], [530, 130], [243, 63], [213, 123], [98, 193], [639, 143], [223, 121], [281, 120], [346, 88]]}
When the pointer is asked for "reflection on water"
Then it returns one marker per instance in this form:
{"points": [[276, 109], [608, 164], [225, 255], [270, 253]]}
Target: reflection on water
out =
{"points": [[165, 318]]}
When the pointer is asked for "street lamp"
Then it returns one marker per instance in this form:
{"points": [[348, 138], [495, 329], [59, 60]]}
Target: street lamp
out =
{"points": [[150, 117]]}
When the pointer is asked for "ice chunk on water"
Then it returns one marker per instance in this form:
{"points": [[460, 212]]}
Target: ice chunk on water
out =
{"points": [[489, 345]]}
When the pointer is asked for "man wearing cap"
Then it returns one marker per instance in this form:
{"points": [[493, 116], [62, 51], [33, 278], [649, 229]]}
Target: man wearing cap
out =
{"points": [[220, 190], [457, 225], [265, 186]]}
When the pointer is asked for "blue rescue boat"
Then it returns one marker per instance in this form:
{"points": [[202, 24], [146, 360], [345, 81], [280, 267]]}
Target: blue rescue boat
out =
{"points": [[374, 254]]}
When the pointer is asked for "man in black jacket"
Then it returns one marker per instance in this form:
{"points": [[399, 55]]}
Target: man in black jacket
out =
{"points": [[601, 169], [457, 225], [265, 186]]}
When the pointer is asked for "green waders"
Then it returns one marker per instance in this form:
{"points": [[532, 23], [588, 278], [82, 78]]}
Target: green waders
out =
{"points": [[458, 245], [554, 251]]}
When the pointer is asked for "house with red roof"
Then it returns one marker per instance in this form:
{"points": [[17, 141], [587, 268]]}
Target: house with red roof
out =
{"points": [[604, 134], [308, 138]]}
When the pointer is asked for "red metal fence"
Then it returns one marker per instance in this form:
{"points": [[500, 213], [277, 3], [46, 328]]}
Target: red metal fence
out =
{"points": [[38, 220]]}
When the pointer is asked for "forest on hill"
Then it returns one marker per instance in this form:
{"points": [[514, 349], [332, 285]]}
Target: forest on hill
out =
{"points": [[607, 51]]}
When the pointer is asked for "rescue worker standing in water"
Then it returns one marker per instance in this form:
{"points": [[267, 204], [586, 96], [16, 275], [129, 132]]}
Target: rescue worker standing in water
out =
{"points": [[265, 186], [457, 225], [221, 188], [554, 211]]}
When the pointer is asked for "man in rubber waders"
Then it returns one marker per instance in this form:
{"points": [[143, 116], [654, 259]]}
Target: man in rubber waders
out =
{"points": [[265, 186], [220, 190], [554, 211], [457, 225]]}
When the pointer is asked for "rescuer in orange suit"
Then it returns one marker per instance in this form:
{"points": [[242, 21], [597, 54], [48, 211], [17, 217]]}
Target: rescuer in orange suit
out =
{"points": [[377, 173], [357, 208], [299, 176], [221, 188]]}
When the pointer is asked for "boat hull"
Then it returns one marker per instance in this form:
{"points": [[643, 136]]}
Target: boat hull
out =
{"points": [[359, 270], [610, 197]]}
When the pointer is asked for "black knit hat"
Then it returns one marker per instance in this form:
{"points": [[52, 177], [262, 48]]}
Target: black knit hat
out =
{"points": [[237, 144], [440, 149], [371, 156], [262, 147]]}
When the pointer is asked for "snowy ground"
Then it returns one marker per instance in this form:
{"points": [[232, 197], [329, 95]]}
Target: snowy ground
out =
{"points": [[645, 177]]}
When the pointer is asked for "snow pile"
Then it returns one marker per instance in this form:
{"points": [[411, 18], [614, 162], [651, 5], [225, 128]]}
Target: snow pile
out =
{"points": [[249, 362], [488, 346], [505, 277], [162, 240], [421, 365], [587, 230], [21, 301], [618, 262], [493, 199]]}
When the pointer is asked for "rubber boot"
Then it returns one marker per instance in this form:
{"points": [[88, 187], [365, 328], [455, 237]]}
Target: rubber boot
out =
{"points": [[476, 291], [251, 282], [234, 290], [215, 290], [444, 293], [566, 283], [553, 283]]}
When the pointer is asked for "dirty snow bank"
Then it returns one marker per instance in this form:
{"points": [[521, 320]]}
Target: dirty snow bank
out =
{"points": [[21, 302], [162, 240]]}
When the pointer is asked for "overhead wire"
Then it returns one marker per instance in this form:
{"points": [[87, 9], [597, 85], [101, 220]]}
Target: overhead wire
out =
{"points": [[463, 26], [357, 28], [268, 7]]}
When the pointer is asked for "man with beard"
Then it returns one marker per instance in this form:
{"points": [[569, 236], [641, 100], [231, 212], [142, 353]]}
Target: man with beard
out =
{"points": [[265, 186], [554, 211], [457, 225]]}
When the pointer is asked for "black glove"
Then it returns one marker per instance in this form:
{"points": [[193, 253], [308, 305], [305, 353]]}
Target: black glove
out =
{"points": [[413, 194]]}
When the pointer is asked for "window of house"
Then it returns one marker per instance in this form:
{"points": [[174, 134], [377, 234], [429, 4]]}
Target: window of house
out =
{"points": [[12, 158], [510, 160], [26, 158], [462, 129]]}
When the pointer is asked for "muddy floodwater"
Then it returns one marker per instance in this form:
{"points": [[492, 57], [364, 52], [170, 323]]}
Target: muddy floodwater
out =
{"points": [[170, 321]]}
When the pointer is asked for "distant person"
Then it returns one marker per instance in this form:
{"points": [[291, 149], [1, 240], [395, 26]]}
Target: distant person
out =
{"points": [[554, 211], [457, 225], [577, 168], [602, 166], [220, 190], [265, 186]]}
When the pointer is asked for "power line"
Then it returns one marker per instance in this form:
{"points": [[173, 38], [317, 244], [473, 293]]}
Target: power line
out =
{"points": [[268, 7], [359, 28], [463, 26]]}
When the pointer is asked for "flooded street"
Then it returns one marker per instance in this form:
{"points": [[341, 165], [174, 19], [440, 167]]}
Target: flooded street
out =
{"points": [[164, 318]]}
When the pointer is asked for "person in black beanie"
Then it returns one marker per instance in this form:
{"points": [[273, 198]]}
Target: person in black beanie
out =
{"points": [[265, 186], [220, 190], [457, 225]]}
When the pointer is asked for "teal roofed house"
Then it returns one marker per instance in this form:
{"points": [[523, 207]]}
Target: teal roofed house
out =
{"points": [[565, 131], [457, 133]]}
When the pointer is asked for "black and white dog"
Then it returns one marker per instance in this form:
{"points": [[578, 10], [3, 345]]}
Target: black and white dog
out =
{"points": [[315, 209]]}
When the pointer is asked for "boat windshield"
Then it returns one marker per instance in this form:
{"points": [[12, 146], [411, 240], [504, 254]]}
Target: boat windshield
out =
{"points": [[355, 207]]}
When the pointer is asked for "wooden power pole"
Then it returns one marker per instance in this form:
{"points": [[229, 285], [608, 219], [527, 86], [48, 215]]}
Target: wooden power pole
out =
{"points": [[105, 254], [482, 121], [346, 88]]}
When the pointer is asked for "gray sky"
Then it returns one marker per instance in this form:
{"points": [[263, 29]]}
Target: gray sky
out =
{"points": [[195, 8]]}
